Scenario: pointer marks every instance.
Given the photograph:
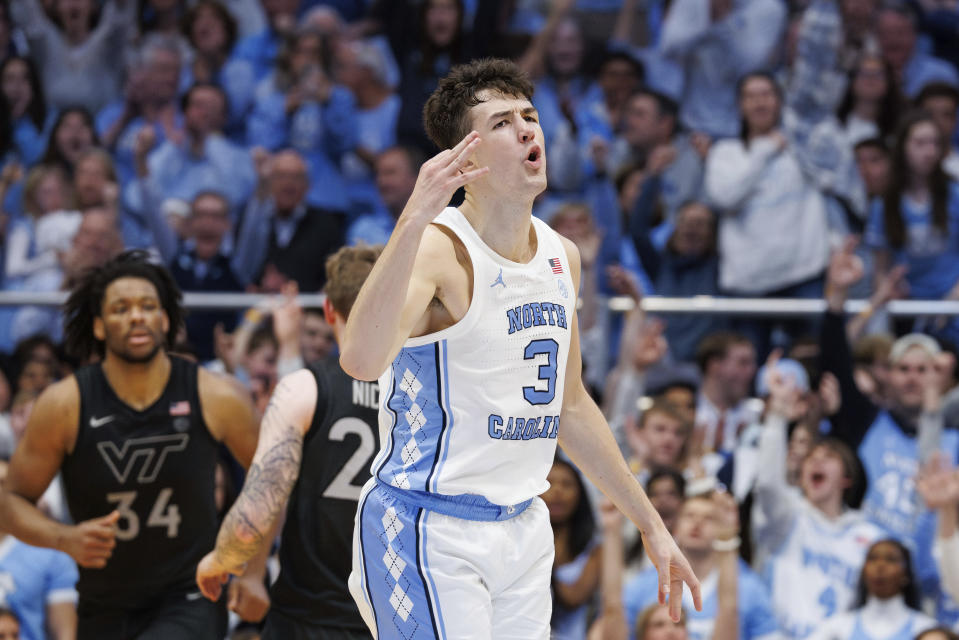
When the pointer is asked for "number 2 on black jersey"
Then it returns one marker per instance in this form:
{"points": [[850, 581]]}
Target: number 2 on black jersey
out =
{"points": [[342, 487]]}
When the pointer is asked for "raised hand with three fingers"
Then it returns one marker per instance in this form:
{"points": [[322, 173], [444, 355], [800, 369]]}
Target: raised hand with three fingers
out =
{"points": [[440, 177]]}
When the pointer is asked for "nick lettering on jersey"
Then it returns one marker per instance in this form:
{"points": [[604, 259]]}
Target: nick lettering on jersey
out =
{"points": [[536, 314], [366, 394]]}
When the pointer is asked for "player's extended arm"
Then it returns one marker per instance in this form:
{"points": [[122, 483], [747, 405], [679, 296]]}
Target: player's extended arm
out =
{"points": [[276, 465], [404, 279], [48, 437], [773, 496], [588, 440], [231, 419]]}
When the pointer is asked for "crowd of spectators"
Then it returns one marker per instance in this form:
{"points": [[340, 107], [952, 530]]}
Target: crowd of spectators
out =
{"points": [[745, 148]]}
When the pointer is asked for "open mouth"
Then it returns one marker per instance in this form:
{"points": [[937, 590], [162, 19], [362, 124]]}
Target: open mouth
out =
{"points": [[535, 157]]}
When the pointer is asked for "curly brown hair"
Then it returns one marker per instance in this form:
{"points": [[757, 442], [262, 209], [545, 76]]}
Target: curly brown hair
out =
{"points": [[86, 301], [446, 114]]}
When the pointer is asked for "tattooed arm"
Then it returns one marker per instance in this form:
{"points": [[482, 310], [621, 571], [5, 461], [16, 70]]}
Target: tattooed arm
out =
{"points": [[276, 464]]}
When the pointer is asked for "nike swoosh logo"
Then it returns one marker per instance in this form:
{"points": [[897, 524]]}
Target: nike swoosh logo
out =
{"points": [[99, 422], [196, 595]]}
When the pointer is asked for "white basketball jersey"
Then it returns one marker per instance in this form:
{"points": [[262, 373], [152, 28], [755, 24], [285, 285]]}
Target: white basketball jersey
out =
{"points": [[815, 573], [474, 409]]}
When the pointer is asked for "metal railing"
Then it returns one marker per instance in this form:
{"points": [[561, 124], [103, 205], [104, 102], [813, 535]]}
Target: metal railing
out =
{"points": [[776, 307]]}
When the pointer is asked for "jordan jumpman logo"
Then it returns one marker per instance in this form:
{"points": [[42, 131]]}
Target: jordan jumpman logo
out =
{"points": [[499, 280]]}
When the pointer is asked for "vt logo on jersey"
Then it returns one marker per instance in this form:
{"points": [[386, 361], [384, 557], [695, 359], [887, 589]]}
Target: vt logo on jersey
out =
{"points": [[151, 452]]}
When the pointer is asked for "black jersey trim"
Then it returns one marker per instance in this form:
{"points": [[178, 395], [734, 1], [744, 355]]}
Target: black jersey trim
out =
{"points": [[439, 403], [192, 371], [100, 378], [324, 404], [82, 376]]}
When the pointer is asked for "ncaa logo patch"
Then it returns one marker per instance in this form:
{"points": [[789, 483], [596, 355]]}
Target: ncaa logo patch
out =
{"points": [[181, 424], [563, 290]]}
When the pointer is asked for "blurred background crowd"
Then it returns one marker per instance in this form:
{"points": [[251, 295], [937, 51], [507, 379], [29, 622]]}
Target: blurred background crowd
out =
{"points": [[745, 148]]}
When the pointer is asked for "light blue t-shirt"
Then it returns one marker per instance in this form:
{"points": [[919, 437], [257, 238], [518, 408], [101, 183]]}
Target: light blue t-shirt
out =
{"points": [[890, 459], [371, 228], [30, 579], [932, 257], [756, 619]]}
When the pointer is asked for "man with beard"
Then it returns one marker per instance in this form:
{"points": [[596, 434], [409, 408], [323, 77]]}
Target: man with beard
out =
{"points": [[135, 437]]}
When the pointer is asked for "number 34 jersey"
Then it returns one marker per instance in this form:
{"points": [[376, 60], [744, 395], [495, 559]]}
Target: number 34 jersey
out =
{"points": [[475, 408], [156, 467]]}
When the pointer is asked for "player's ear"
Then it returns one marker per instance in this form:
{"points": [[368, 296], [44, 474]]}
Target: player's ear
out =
{"points": [[330, 313], [166, 322], [98, 330]]}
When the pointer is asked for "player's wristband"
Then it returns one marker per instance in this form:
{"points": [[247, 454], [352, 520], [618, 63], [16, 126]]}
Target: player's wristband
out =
{"points": [[727, 545]]}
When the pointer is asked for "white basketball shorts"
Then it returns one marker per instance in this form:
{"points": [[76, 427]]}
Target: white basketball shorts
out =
{"points": [[420, 574]]}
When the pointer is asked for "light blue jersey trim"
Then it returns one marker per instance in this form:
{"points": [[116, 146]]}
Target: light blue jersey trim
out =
{"points": [[396, 578], [419, 419], [467, 506]]}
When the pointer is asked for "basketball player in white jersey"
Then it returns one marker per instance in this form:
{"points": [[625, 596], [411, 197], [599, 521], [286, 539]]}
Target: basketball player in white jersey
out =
{"points": [[468, 320]]}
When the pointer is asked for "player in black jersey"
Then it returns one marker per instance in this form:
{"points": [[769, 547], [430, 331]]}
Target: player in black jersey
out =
{"points": [[317, 442], [135, 437]]}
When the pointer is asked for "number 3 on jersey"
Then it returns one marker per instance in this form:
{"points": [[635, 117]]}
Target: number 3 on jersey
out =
{"points": [[547, 371]]}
